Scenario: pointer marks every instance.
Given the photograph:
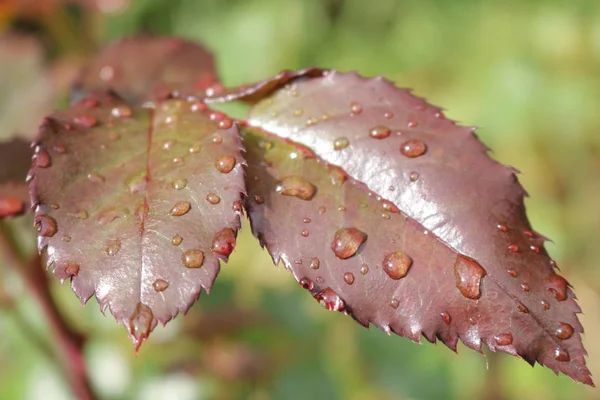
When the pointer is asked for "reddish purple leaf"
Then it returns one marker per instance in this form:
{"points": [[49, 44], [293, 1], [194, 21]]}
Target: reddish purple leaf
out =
{"points": [[130, 201], [147, 68], [439, 175]]}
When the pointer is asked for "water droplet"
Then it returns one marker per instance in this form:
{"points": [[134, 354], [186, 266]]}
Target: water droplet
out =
{"points": [[96, 178], [180, 208], [225, 163], [394, 303], [522, 308], [337, 177], [121, 112], [355, 107], [340, 143], [305, 232], [314, 263], [322, 209], [306, 283], [140, 323], [213, 198], [298, 113], [41, 158], [513, 248], [440, 115], [468, 277], [341, 208], [525, 287], [224, 242], [564, 331], [66, 238], [412, 124], [390, 207], [258, 199], [546, 305], [87, 121], [177, 239], [512, 272], [110, 214], [194, 149], [528, 233], [225, 123], [330, 300], [311, 121], [60, 148], [216, 116], [346, 242], [379, 132], [503, 339], [296, 186], [557, 285], [237, 206], [179, 184], [388, 115], [502, 227], [349, 278], [113, 247], [178, 160], [561, 355], [71, 269], [364, 269], [306, 220], [217, 139], [168, 145], [46, 225], [192, 258], [160, 285], [414, 176], [534, 248], [397, 264], [320, 279], [413, 148], [446, 318]]}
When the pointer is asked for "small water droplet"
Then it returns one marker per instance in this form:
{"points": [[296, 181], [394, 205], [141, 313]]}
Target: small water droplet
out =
{"points": [[340, 143], [330, 300], [349, 278], [225, 163], [388, 115], [217, 139], [337, 177], [534, 248], [564, 331], [237, 206], [60, 148], [440, 115], [396, 264], [194, 149], [160, 285], [379, 132], [525, 287], [355, 107], [341, 208], [504, 339], [178, 160], [557, 285], [180, 208], [320, 279], [561, 355], [177, 239], [87, 121], [446, 318], [66, 238], [168, 145], [306, 283], [413, 148], [41, 158], [110, 214], [90, 102], [412, 124], [225, 123], [314, 263], [46, 225], [389, 206], [468, 277], [258, 199], [502, 227], [113, 247], [528, 233], [179, 184], [296, 186], [306, 220], [224, 242], [311, 121], [96, 178], [513, 248], [522, 308], [216, 116], [346, 242], [364, 269], [121, 112], [546, 305], [298, 113], [192, 258], [322, 209], [512, 272], [394, 303], [305, 232], [213, 198], [414, 176]]}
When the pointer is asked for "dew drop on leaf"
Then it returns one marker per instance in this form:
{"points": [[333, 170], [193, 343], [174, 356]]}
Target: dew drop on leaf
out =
{"points": [[349, 278], [504, 339], [557, 285], [468, 277], [225, 163], [113, 247], [522, 308], [561, 355], [414, 176], [306, 283], [413, 148], [364, 269], [396, 264], [314, 263], [564, 331], [225, 123], [446, 318], [179, 184], [140, 322], [340, 143], [346, 242], [160, 285], [296, 186], [380, 132], [213, 198], [512, 272], [180, 208], [46, 225], [330, 300], [121, 112], [223, 242], [355, 107], [87, 121], [513, 248], [177, 239], [42, 158], [394, 303], [193, 258], [72, 269]]}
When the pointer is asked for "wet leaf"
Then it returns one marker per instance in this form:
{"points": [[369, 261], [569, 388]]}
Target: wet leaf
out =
{"points": [[144, 68], [440, 176], [15, 159], [121, 206]]}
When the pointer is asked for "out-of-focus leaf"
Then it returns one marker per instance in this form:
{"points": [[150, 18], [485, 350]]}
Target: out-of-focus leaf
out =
{"points": [[144, 68], [137, 205], [15, 159], [439, 175]]}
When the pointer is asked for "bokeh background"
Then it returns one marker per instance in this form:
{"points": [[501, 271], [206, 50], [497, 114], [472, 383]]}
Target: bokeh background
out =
{"points": [[527, 72]]}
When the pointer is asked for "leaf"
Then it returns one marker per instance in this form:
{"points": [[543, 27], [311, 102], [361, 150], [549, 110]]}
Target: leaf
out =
{"points": [[144, 68], [439, 175], [137, 205], [14, 195]]}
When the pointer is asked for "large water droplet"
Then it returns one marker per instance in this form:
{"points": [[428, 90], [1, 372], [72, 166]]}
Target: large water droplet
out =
{"points": [[140, 323], [296, 186], [306, 283], [193, 258], [413, 148], [557, 285], [46, 225], [380, 132], [224, 242], [346, 242], [349, 278], [564, 331], [160, 285], [330, 300], [42, 159], [397, 264], [113, 247], [213, 198], [340, 143], [504, 339], [468, 277], [225, 163], [179, 184], [180, 208]]}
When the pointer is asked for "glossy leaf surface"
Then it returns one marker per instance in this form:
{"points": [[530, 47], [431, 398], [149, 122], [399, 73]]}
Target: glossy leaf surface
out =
{"points": [[130, 203], [439, 175]]}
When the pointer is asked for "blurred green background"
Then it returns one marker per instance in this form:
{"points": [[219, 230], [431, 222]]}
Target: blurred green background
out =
{"points": [[527, 72]]}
